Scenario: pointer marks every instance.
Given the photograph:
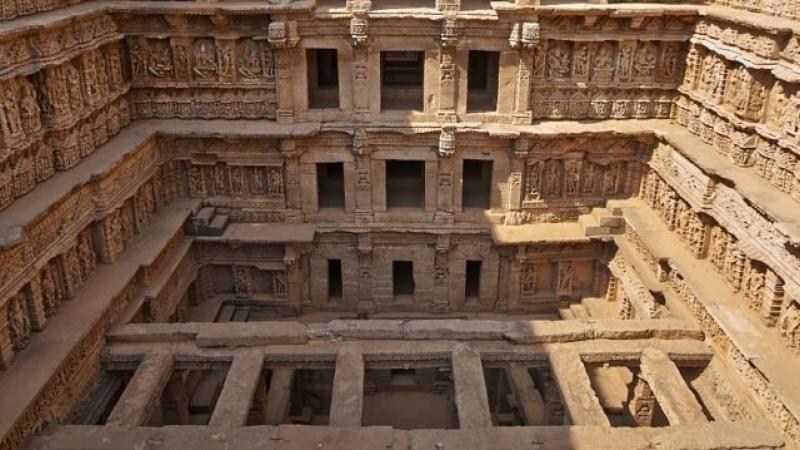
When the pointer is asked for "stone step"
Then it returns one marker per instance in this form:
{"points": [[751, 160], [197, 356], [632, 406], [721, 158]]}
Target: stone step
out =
{"points": [[204, 215], [591, 227], [566, 314], [217, 225], [605, 218], [579, 311]]}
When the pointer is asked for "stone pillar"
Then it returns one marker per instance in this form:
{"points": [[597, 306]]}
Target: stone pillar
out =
{"points": [[441, 281], [366, 299], [444, 182], [279, 396], [348, 390], [518, 261], [363, 194], [516, 175], [665, 382], [472, 401], [579, 397], [35, 304], [291, 170], [448, 79], [772, 298], [143, 391], [531, 403], [242, 281], [238, 393], [643, 404], [6, 346], [283, 37]]}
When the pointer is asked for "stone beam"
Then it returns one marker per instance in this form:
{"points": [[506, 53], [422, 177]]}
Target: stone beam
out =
{"points": [[143, 391], [348, 390], [528, 397], [579, 398], [236, 398], [674, 396], [472, 402], [279, 395]]}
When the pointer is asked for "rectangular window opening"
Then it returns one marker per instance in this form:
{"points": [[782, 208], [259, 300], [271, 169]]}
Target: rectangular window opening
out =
{"points": [[403, 278], [477, 186], [472, 285], [323, 78], [334, 278], [330, 185], [405, 184], [402, 75], [482, 81]]}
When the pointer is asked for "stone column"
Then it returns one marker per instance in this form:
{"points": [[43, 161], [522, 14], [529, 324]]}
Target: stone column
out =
{"points": [[441, 280], [291, 171], [772, 298], [517, 175], [237, 396], [283, 37], [35, 304], [363, 194], [6, 346], [664, 380], [143, 391], [515, 277], [444, 182], [366, 299], [348, 390], [279, 396], [472, 401], [579, 397], [643, 404], [448, 71]]}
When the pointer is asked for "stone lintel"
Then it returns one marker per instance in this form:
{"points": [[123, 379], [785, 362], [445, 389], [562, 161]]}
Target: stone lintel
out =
{"points": [[236, 397], [279, 395], [472, 401], [137, 401], [674, 396], [348, 390], [580, 399]]}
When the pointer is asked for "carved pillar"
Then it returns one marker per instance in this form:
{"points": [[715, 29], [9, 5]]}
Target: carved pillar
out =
{"points": [[515, 279], [444, 197], [515, 177], [360, 70], [293, 193], [525, 38], [643, 403], [283, 37], [448, 85], [362, 151], [503, 276], [772, 298], [6, 346], [182, 57], [35, 305], [242, 281], [441, 281], [366, 299]]}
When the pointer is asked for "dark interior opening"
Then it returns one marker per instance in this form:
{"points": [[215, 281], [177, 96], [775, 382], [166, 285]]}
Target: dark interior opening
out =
{"points": [[403, 278], [405, 184], [330, 185], [190, 396], [323, 78], [102, 398], [482, 80], [402, 79], [477, 185], [472, 285], [334, 278], [409, 398]]}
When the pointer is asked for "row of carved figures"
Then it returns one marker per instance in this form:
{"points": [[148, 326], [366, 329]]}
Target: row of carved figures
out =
{"points": [[601, 104], [752, 95], [771, 161], [609, 61], [556, 278], [760, 286], [22, 170], [565, 178], [784, 8], [228, 179], [10, 9], [130, 218], [201, 60], [29, 309], [198, 103]]}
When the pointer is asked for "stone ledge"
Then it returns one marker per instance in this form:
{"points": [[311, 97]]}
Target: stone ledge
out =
{"points": [[456, 329], [535, 332], [250, 334]]}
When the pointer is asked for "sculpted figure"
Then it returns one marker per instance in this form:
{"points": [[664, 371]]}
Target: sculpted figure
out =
{"points": [[160, 60], [790, 324], [565, 277], [279, 283], [49, 294], [19, 324], [529, 278], [646, 58], [225, 58], [571, 177], [582, 60], [603, 63], [552, 178], [534, 180], [250, 60], [138, 60], [205, 65], [625, 61], [257, 180], [74, 86], [31, 119], [558, 60], [275, 182], [11, 120], [669, 62]]}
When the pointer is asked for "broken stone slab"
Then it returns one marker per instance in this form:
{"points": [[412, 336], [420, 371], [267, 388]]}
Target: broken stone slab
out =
{"points": [[535, 331], [456, 329], [250, 334], [153, 332]]}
